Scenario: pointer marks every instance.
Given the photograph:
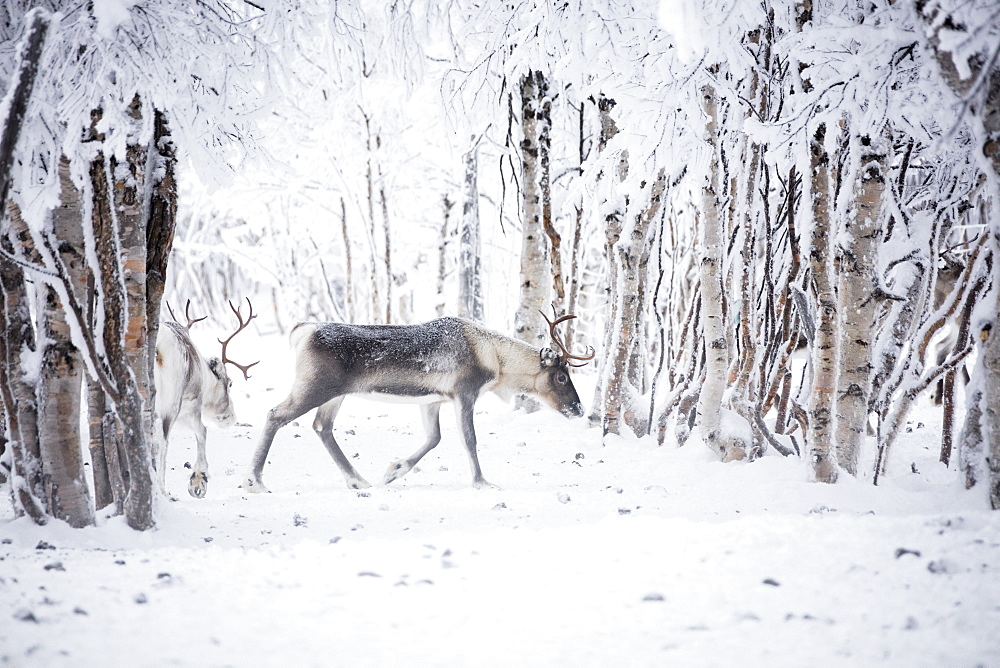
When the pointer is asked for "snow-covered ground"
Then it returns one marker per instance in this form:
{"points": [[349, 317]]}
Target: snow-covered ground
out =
{"points": [[587, 554]]}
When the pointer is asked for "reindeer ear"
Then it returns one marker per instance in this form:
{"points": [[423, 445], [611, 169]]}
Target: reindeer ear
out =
{"points": [[548, 357]]}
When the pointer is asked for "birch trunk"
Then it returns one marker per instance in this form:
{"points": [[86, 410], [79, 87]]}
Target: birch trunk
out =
{"points": [[857, 307], [443, 255], [133, 235], [983, 407], [822, 457], [612, 230], [348, 265], [709, 407], [630, 259], [19, 93], [61, 375], [534, 279], [470, 296], [137, 466], [20, 399]]}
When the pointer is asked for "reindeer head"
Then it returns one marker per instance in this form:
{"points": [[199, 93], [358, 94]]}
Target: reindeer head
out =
{"points": [[560, 393]]}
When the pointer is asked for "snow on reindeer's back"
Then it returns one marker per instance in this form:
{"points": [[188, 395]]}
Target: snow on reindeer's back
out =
{"points": [[437, 346]]}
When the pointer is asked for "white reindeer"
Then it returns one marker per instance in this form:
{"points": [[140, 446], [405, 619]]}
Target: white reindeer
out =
{"points": [[190, 390]]}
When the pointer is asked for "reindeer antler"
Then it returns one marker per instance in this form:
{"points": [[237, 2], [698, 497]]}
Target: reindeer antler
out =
{"points": [[187, 314], [557, 340], [245, 368]]}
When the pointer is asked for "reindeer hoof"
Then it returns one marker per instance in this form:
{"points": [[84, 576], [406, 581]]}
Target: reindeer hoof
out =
{"points": [[358, 483], [396, 471], [254, 486], [198, 485], [483, 483]]}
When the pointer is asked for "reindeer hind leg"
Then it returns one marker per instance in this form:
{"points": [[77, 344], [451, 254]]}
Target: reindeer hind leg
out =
{"points": [[432, 426]]}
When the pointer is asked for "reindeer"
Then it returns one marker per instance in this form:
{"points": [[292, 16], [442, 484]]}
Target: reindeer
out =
{"points": [[191, 389], [447, 359]]}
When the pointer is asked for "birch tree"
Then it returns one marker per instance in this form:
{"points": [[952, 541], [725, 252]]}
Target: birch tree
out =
{"points": [[534, 279]]}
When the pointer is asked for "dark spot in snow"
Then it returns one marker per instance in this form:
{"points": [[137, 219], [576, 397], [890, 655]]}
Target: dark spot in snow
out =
{"points": [[208, 539], [500, 506], [120, 562], [243, 424], [141, 599], [299, 521], [900, 551], [334, 540], [579, 455], [163, 576], [296, 435], [368, 574], [24, 615], [349, 432], [937, 567], [820, 509], [55, 566], [911, 623], [364, 495], [442, 468], [357, 526], [624, 511], [42, 545], [563, 497], [7, 541], [772, 582], [653, 597], [187, 465], [79, 611]]}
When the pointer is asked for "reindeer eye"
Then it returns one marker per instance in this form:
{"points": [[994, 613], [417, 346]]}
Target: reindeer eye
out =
{"points": [[562, 378]]}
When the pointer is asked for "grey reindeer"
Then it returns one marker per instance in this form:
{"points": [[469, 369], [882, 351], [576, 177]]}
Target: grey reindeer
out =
{"points": [[447, 359]]}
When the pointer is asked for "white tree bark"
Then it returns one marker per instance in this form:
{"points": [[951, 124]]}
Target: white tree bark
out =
{"points": [[822, 457], [858, 306], [62, 371], [716, 346], [470, 294], [534, 278]]}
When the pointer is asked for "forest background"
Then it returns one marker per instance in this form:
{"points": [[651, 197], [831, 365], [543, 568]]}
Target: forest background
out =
{"points": [[708, 186]]}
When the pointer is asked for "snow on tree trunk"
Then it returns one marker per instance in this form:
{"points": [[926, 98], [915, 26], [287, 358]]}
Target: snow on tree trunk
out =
{"points": [[727, 446], [612, 216], [470, 294], [857, 308], [129, 192], [137, 466], [20, 403], [823, 359], [161, 224], [534, 273], [975, 78], [630, 256], [18, 93], [61, 376]]}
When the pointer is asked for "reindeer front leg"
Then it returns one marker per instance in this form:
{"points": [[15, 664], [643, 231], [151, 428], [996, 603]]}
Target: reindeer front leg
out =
{"points": [[323, 425], [198, 484], [432, 427], [464, 409]]}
